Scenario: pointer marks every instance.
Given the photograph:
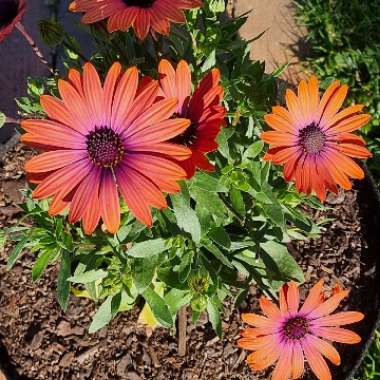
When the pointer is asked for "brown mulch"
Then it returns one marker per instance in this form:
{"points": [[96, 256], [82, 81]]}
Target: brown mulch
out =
{"points": [[42, 343]]}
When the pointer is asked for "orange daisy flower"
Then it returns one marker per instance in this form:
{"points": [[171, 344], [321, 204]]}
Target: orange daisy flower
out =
{"points": [[290, 333], [11, 13], [102, 140], [143, 15], [313, 139], [203, 107]]}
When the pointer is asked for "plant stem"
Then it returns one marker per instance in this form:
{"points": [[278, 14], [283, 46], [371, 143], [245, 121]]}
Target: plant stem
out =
{"points": [[12, 120], [182, 326], [34, 46]]}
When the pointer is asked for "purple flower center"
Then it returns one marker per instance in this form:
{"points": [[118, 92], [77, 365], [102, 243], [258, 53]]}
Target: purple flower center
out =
{"points": [[312, 139], [296, 328], [8, 11], [139, 3], [104, 147]]}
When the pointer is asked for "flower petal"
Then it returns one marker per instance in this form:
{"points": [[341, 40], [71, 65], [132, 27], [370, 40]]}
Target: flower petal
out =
{"points": [[124, 98], [339, 319], [109, 202], [54, 160], [159, 132], [314, 298], [167, 78], [283, 368], [297, 362], [325, 348], [275, 138], [316, 362], [354, 150], [269, 308], [67, 177], [337, 334], [293, 297], [330, 305], [183, 84], [257, 320], [110, 85]]}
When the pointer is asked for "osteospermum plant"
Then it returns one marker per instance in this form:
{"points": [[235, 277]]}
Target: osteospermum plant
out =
{"points": [[150, 179]]}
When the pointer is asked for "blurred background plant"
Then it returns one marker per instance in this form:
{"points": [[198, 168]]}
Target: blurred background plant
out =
{"points": [[345, 44], [345, 41]]}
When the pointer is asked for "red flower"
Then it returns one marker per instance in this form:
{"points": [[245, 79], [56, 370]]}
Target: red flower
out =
{"points": [[288, 333], [313, 139], [11, 12], [142, 15], [102, 140], [203, 108]]}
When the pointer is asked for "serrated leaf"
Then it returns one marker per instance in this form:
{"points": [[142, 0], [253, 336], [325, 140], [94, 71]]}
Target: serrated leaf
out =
{"points": [[237, 201], [210, 62], [176, 298], [88, 277], [214, 316], [143, 271], [218, 254], [103, 316], [42, 262], [3, 238], [253, 151], [220, 236], [186, 217], [16, 252], [207, 182], [159, 307], [63, 286], [280, 263], [147, 248]]}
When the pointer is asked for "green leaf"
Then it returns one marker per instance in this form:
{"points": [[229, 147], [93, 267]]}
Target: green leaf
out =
{"points": [[63, 286], [253, 150], [207, 182], [16, 252], [3, 119], [218, 254], [42, 262], [187, 218], [214, 316], [176, 298], [143, 271], [159, 307], [220, 236], [3, 238], [237, 201], [222, 141], [147, 248], [103, 316], [280, 263], [217, 5], [88, 277], [210, 62]]}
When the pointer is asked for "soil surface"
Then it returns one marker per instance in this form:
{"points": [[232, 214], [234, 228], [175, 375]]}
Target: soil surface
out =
{"points": [[40, 342]]}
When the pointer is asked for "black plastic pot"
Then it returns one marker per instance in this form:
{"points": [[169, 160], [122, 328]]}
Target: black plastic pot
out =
{"points": [[367, 292]]}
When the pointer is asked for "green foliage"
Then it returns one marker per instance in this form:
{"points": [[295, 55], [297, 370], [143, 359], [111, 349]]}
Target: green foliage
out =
{"points": [[345, 39], [370, 369], [223, 232]]}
